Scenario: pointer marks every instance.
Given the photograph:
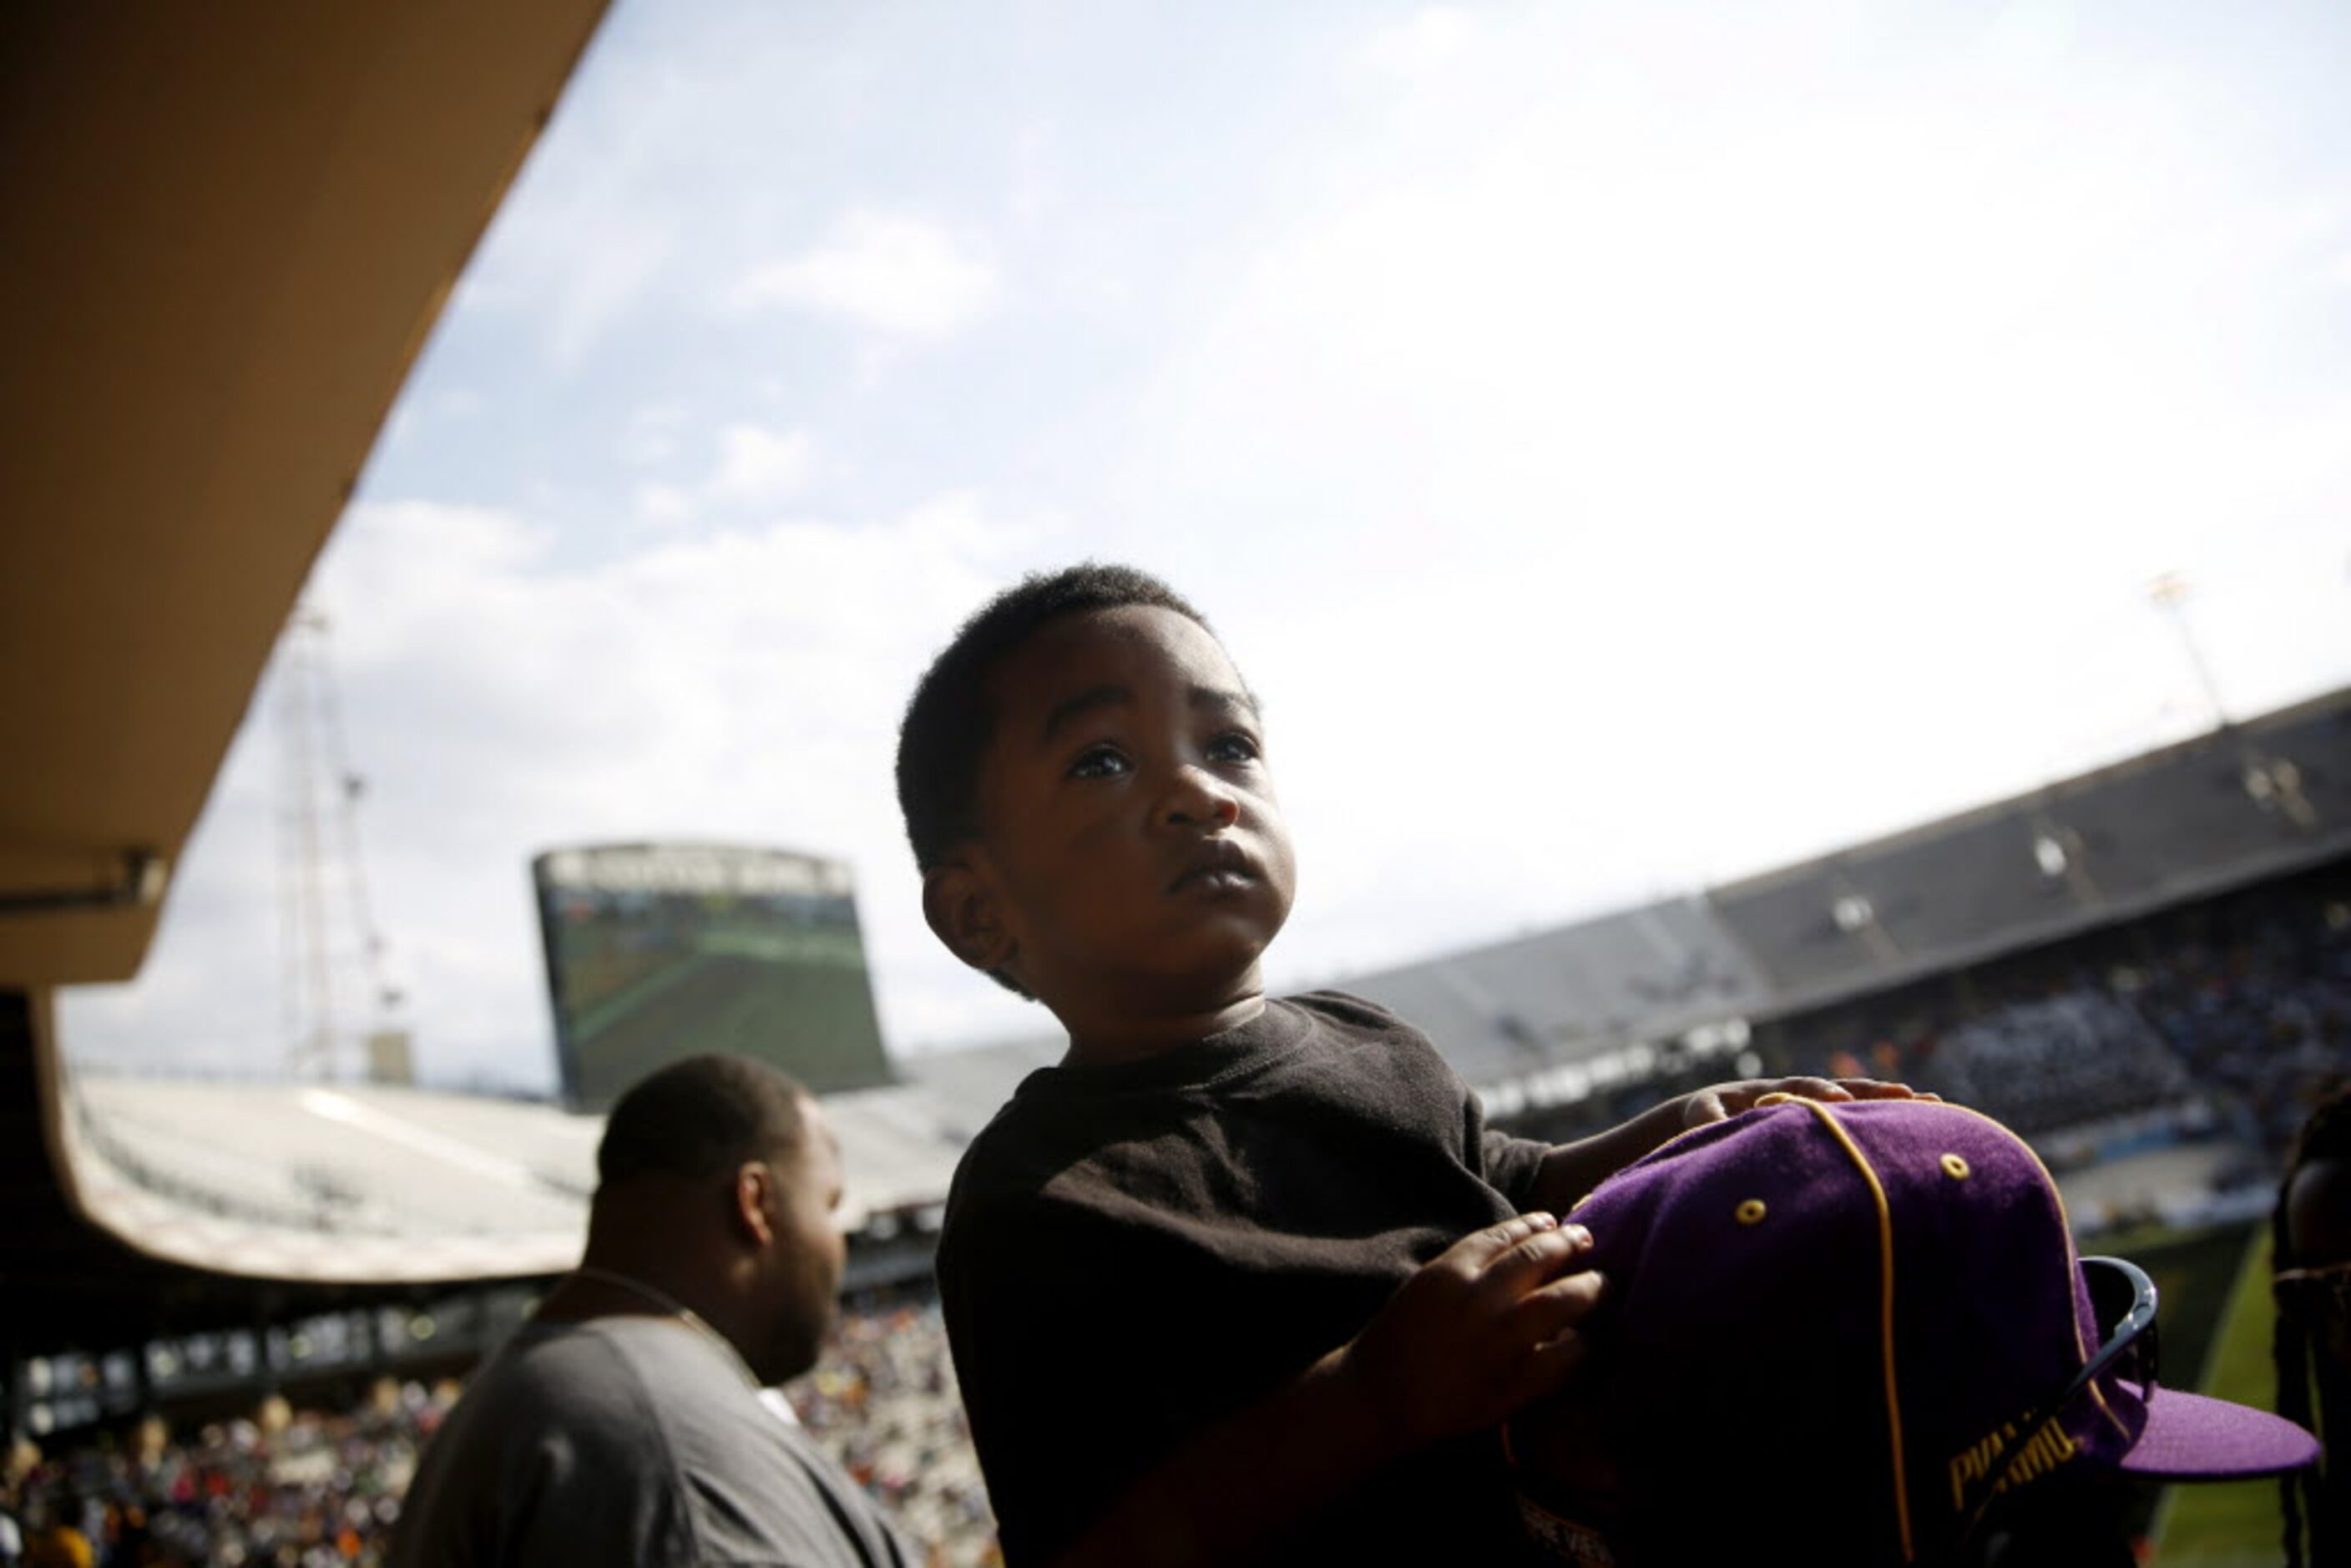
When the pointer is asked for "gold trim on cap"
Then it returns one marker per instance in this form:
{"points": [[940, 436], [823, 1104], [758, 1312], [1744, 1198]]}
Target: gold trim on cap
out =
{"points": [[1885, 1322]]}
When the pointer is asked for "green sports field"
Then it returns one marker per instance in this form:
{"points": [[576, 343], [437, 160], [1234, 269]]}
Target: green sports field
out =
{"points": [[2222, 1278]]}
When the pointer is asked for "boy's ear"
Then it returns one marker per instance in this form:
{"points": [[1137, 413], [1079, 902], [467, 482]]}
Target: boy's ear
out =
{"points": [[963, 911]]}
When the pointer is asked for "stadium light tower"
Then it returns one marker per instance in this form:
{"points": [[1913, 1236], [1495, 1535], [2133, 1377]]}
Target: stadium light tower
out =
{"points": [[317, 785], [2168, 593]]}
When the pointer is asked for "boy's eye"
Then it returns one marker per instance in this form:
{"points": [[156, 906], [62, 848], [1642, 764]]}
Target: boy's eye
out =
{"points": [[1098, 762], [1232, 746]]}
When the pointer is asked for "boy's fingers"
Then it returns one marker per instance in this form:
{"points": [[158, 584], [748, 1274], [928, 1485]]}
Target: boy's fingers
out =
{"points": [[1878, 1089], [1537, 1258], [1480, 1248]]}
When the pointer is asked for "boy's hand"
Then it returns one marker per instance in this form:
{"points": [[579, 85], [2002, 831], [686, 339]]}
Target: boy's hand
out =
{"points": [[1726, 1100], [1483, 1329], [1479, 1331]]}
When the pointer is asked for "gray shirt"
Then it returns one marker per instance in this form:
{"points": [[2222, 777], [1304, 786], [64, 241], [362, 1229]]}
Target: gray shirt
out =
{"points": [[629, 1440]]}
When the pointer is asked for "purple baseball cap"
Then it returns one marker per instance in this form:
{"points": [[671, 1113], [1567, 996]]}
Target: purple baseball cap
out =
{"points": [[1846, 1329]]}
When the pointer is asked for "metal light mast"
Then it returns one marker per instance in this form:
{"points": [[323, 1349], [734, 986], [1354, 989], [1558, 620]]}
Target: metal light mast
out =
{"points": [[2170, 593], [317, 861]]}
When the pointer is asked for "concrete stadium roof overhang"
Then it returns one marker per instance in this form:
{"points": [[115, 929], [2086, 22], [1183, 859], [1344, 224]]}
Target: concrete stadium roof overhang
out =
{"points": [[228, 229]]}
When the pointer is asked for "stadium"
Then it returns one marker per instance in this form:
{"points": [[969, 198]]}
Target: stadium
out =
{"points": [[237, 1307]]}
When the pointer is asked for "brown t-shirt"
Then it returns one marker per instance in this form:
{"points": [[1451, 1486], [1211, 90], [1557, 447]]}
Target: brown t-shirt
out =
{"points": [[1133, 1253]]}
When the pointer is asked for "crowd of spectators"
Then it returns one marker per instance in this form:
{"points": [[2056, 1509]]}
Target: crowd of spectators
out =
{"points": [[2038, 1066], [321, 1489], [883, 1403], [305, 1490], [2257, 1000], [2242, 1004]]}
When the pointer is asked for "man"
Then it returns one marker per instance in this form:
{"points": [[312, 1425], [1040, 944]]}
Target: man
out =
{"points": [[625, 1423]]}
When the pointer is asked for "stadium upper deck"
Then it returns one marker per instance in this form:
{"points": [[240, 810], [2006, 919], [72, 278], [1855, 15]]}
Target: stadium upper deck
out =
{"points": [[2261, 798]]}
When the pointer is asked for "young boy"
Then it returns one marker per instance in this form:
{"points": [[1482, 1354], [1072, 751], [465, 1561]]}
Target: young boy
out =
{"points": [[1241, 1275]]}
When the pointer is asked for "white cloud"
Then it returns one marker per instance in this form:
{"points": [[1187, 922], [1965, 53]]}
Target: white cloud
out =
{"points": [[663, 505], [756, 465], [596, 285], [1426, 41], [652, 433], [889, 271]]}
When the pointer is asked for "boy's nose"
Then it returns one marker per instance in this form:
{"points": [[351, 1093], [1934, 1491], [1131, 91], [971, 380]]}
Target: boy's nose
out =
{"points": [[1195, 796]]}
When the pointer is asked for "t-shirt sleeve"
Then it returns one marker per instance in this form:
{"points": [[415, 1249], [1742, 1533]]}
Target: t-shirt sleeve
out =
{"points": [[1511, 1165]]}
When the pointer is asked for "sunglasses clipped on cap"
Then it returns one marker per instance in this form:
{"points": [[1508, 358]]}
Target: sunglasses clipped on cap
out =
{"points": [[2313, 1296], [2122, 1301]]}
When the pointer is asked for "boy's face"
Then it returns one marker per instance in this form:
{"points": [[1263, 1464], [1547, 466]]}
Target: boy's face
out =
{"points": [[1133, 858]]}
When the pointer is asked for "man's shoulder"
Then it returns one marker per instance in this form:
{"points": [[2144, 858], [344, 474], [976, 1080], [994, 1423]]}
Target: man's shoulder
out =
{"points": [[575, 1382], [629, 1438], [609, 1373]]}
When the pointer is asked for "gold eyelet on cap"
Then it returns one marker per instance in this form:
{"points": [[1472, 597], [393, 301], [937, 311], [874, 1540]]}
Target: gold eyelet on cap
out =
{"points": [[1955, 1167], [1751, 1211]]}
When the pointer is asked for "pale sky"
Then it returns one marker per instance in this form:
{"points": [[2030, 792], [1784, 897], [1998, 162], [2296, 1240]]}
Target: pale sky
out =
{"points": [[1628, 446]]}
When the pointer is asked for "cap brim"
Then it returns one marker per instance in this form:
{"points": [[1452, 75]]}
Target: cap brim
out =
{"points": [[2190, 1437]]}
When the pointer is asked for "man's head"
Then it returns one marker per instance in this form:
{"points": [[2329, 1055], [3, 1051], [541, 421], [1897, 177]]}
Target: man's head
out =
{"points": [[721, 1170], [1083, 775], [1850, 1334]]}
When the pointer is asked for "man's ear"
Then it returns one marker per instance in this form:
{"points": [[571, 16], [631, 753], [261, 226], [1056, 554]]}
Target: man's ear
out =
{"points": [[755, 1182], [964, 913]]}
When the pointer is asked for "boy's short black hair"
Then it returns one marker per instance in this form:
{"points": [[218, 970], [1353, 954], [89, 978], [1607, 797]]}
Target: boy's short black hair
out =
{"points": [[948, 722], [695, 1118]]}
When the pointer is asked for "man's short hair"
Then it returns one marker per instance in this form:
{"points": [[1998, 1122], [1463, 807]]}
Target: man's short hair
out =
{"points": [[695, 1118], [948, 722]]}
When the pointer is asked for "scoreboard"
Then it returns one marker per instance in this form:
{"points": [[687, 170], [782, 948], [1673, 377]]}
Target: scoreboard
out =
{"points": [[656, 952]]}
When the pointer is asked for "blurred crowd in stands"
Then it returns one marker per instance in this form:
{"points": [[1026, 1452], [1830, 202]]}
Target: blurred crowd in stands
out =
{"points": [[320, 1488], [283, 1486], [2260, 1006], [883, 1403], [2233, 1015], [2239, 1008]]}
